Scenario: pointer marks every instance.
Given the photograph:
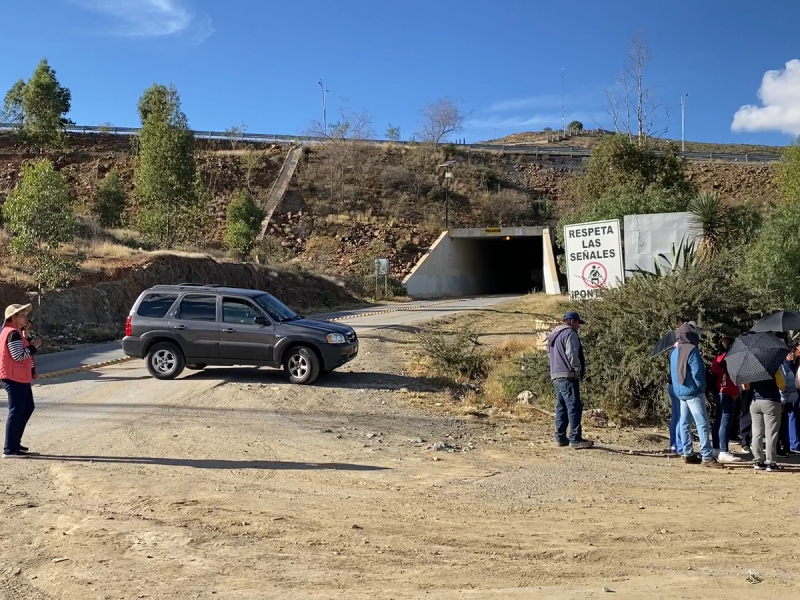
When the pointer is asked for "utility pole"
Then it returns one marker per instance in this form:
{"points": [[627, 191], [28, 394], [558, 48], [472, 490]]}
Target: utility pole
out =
{"points": [[683, 120], [325, 91], [563, 110]]}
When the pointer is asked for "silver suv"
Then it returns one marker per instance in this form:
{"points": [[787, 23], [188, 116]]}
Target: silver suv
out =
{"points": [[193, 326]]}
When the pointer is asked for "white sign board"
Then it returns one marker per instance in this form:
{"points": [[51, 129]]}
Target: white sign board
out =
{"points": [[381, 266], [594, 258], [648, 236]]}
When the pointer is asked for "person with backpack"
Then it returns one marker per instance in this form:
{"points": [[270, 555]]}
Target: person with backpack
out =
{"points": [[725, 393]]}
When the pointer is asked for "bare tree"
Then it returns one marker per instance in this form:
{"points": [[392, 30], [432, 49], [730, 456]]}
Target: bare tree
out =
{"points": [[440, 119], [345, 151], [631, 104]]}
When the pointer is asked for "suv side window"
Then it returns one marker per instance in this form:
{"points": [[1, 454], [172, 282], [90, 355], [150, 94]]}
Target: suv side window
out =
{"points": [[239, 312], [195, 307], [156, 306]]}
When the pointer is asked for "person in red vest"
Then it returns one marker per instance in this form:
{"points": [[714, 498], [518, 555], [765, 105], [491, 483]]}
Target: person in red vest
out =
{"points": [[725, 396], [16, 373]]}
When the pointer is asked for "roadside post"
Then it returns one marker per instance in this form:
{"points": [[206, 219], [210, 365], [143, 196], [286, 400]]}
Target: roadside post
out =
{"points": [[594, 258]]}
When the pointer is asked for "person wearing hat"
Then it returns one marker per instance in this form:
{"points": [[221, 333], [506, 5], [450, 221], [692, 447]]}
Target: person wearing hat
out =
{"points": [[16, 373], [567, 368]]}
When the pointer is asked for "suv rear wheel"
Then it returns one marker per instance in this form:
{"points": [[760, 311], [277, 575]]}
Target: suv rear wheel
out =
{"points": [[165, 361], [301, 365]]}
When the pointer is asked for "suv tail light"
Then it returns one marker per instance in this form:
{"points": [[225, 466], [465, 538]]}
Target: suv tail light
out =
{"points": [[128, 327]]}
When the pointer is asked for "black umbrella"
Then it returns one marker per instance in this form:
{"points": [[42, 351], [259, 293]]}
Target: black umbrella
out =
{"points": [[780, 320], [755, 357], [668, 340]]}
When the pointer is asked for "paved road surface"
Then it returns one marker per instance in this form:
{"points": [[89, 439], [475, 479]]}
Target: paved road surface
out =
{"points": [[414, 311]]}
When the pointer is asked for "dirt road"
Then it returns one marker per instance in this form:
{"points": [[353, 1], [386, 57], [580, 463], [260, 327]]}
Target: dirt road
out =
{"points": [[231, 483]]}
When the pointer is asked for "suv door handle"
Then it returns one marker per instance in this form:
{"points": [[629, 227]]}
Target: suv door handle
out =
{"points": [[181, 327], [229, 330]]}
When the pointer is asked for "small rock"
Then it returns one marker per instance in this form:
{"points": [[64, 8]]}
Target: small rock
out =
{"points": [[641, 508], [354, 526], [16, 571], [276, 519], [526, 397], [608, 590], [58, 560]]}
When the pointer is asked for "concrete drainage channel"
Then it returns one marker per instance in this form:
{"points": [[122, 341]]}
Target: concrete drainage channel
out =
{"points": [[118, 361]]}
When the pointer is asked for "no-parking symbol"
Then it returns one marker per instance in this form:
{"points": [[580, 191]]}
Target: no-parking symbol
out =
{"points": [[594, 275]]}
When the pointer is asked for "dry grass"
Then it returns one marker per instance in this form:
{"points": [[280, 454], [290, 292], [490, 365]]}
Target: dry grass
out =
{"points": [[509, 331]]}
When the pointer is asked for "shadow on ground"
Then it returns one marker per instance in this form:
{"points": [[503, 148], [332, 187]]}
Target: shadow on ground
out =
{"points": [[212, 463]]}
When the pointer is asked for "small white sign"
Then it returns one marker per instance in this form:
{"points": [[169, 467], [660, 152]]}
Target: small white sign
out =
{"points": [[381, 266], [594, 258]]}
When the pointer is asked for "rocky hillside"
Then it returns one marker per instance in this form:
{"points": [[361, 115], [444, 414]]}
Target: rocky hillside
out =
{"points": [[348, 206]]}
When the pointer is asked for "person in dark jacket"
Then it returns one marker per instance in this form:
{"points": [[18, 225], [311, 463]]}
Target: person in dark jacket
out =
{"points": [[567, 368], [16, 373], [689, 382]]}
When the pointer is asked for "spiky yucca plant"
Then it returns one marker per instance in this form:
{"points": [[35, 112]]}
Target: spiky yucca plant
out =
{"points": [[684, 255], [710, 220]]}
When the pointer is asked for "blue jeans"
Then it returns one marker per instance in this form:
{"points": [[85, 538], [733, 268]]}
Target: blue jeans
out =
{"points": [[790, 434], [20, 409], [724, 408], [569, 410], [675, 437], [695, 408]]}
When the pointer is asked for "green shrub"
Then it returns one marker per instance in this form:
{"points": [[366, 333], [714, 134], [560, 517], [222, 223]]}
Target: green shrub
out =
{"points": [[772, 260], [243, 223], [110, 201], [456, 354]]}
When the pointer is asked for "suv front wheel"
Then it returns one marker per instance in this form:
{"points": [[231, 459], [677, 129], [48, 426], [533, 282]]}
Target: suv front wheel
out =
{"points": [[301, 365], [165, 361]]}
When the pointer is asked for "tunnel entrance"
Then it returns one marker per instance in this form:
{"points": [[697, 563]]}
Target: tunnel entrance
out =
{"points": [[472, 262]]}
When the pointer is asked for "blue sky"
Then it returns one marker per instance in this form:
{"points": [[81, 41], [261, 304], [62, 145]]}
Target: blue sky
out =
{"points": [[259, 61]]}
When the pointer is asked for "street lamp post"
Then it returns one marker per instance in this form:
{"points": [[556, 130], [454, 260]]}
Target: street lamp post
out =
{"points": [[683, 120], [448, 174], [325, 91]]}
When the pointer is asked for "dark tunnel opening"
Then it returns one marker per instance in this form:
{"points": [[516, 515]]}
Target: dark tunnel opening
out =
{"points": [[505, 266]]}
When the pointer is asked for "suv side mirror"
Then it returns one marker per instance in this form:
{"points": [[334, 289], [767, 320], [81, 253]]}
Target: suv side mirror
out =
{"points": [[261, 321]]}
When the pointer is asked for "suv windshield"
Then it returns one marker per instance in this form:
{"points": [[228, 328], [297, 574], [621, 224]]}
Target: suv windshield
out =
{"points": [[275, 308]]}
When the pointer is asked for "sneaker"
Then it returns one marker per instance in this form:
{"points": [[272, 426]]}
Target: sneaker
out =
{"points": [[727, 457], [746, 449], [712, 464], [673, 450], [716, 452], [23, 448], [15, 455], [692, 459], [562, 444], [781, 452], [772, 467], [582, 445], [759, 466]]}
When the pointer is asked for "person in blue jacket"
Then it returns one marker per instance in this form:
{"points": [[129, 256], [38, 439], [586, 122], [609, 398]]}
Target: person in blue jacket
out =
{"points": [[688, 374]]}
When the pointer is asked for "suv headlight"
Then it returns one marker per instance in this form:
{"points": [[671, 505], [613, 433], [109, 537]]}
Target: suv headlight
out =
{"points": [[335, 338]]}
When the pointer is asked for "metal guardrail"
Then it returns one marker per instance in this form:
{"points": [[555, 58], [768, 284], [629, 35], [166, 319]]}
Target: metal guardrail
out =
{"points": [[562, 151]]}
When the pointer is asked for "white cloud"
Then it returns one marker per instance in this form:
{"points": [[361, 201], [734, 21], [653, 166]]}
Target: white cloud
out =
{"points": [[780, 96], [522, 103], [152, 18]]}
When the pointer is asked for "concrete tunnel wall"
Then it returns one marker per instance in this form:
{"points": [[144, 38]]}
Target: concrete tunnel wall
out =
{"points": [[459, 263]]}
